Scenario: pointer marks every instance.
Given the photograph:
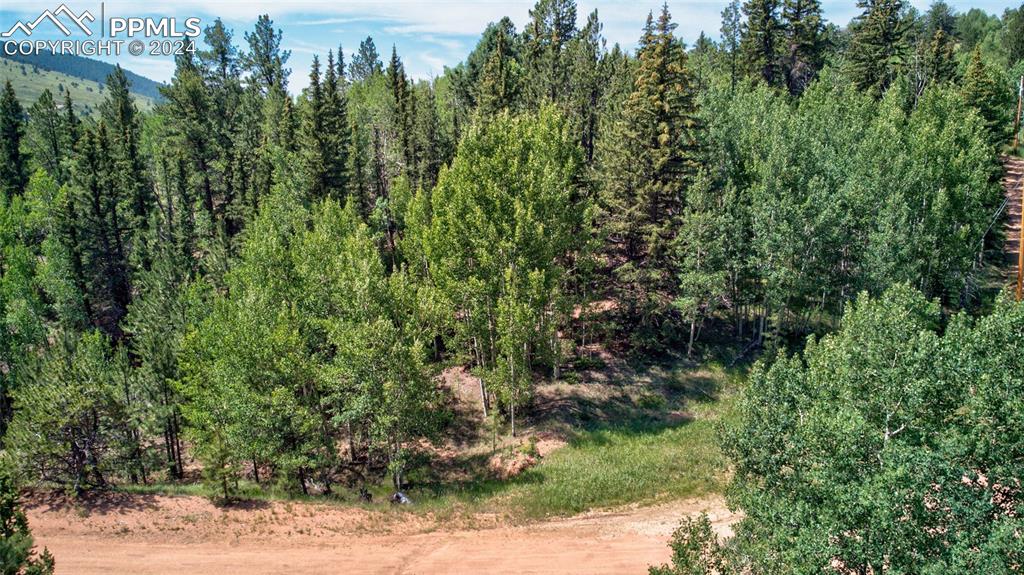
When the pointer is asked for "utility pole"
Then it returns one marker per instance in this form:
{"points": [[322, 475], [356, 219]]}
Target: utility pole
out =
{"points": [[1020, 188], [1020, 243]]}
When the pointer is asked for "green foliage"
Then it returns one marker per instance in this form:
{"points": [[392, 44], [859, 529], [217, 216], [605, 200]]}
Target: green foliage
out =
{"points": [[762, 41], [878, 49], [876, 449], [499, 79], [311, 341], [731, 38], [13, 169], [695, 550], [271, 283], [265, 59], [1013, 36], [98, 212], [16, 554], [546, 41], [981, 90], [77, 416], [804, 54], [46, 136], [23, 325], [648, 163], [366, 62], [501, 224], [841, 193]]}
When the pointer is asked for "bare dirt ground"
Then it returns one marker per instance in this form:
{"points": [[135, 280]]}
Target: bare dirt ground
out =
{"points": [[150, 534]]}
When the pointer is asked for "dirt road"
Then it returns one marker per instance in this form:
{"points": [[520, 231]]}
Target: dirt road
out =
{"points": [[157, 534]]}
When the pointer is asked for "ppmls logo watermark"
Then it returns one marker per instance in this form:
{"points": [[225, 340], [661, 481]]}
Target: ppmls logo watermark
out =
{"points": [[115, 34]]}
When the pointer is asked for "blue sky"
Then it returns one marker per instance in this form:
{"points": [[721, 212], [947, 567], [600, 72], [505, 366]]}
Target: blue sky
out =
{"points": [[428, 34]]}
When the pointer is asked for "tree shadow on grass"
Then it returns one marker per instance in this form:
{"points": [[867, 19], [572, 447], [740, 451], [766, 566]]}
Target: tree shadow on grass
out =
{"points": [[658, 395], [586, 415]]}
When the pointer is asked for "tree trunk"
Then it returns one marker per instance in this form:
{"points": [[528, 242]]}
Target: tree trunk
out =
{"points": [[513, 414], [693, 333]]}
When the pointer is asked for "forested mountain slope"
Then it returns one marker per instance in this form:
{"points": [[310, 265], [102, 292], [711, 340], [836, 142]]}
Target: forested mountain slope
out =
{"points": [[29, 83], [88, 69], [764, 253]]}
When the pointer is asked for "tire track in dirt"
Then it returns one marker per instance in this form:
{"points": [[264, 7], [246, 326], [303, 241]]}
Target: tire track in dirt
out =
{"points": [[163, 535]]}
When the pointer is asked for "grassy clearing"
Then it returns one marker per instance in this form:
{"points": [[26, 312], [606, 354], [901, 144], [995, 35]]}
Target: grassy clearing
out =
{"points": [[642, 458], [665, 448], [632, 464]]}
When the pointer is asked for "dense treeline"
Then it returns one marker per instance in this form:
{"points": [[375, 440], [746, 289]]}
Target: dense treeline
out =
{"points": [[270, 283], [892, 444]]}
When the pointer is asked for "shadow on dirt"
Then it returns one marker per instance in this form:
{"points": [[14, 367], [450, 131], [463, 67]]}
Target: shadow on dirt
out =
{"points": [[90, 503]]}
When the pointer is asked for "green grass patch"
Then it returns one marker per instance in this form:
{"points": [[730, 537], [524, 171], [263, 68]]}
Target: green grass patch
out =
{"points": [[637, 463], [647, 457]]}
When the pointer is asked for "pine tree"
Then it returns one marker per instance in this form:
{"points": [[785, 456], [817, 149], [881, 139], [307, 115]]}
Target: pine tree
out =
{"points": [[701, 57], [805, 43], [981, 91], [940, 17], [648, 163], [878, 49], [13, 163], [45, 135], [366, 62], [220, 60], [497, 80], [427, 140], [546, 39], [314, 145], [101, 231], [289, 126], [466, 77], [183, 220], [17, 556], [732, 29], [403, 109], [940, 58], [762, 41], [265, 60], [125, 128], [342, 71], [335, 128], [588, 83], [1013, 36], [189, 109], [360, 187], [220, 67]]}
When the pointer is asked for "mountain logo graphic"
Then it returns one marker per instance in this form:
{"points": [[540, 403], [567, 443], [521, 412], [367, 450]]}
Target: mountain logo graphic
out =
{"points": [[62, 10]]}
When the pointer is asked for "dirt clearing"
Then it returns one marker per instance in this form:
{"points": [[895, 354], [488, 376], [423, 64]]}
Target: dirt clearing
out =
{"points": [[157, 534]]}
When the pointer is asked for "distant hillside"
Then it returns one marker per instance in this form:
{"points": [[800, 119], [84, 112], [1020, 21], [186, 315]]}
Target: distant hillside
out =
{"points": [[30, 81], [87, 69]]}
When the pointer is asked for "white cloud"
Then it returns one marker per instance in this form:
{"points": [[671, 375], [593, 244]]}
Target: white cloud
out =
{"points": [[429, 34], [435, 66]]}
